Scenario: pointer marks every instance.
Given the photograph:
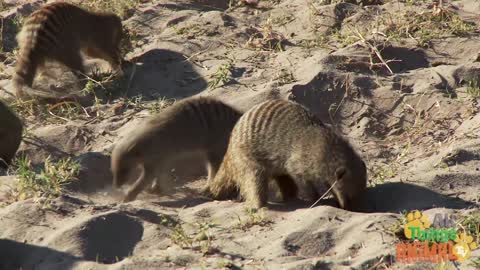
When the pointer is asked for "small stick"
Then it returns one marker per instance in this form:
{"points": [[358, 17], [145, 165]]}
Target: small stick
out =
{"points": [[324, 194], [375, 50], [68, 102], [130, 79]]}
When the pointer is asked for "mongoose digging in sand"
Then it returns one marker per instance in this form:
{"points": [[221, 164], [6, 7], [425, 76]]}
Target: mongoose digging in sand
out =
{"points": [[194, 125], [60, 31], [282, 140], [11, 128]]}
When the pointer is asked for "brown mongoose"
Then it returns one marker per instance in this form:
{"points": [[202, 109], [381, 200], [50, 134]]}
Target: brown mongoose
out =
{"points": [[11, 129], [60, 31], [283, 141], [199, 125]]}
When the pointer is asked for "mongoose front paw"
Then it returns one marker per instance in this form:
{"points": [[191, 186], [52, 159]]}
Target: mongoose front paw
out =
{"points": [[206, 192], [128, 198]]}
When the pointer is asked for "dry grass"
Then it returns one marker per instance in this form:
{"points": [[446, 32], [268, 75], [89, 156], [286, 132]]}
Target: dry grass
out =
{"points": [[381, 173], [190, 31], [425, 26], [200, 239], [46, 185], [470, 224], [222, 75], [473, 89], [64, 111], [44, 113], [253, 217], [266, 38], [284, 76]]}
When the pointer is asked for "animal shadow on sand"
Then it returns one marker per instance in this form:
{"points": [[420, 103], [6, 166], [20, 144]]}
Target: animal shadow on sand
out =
{"points": [[385, 198], [201, 5], [164, 74], [330, 88], [389, 198], [39, 144], [16, 255], [395, 197], [91, 239]]}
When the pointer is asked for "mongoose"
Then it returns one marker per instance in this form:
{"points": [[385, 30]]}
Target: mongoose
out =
{"points": [[11, 129], [60, 31], [282, 141], [199, 125]]}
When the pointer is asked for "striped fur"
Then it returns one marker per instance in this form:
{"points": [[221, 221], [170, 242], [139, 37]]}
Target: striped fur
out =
{"points": [[194, 125], [283, 141], [60, 31], [11, 129]]}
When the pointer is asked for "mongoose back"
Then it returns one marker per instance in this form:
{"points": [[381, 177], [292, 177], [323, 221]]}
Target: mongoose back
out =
{"points": [[198, 125], [283, 141], [60, 31], [11, 129]]}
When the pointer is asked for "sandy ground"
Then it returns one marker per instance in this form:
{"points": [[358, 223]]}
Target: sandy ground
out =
{"points": [[415, 122]]}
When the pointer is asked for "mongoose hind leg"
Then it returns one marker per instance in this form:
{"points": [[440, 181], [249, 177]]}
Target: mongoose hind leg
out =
{"points": [[73, 60], [287, 186], [224, 185], [214, 161], [253, 184]]}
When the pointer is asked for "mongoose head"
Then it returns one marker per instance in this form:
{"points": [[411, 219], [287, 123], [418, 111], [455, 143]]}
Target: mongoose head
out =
{"points": [[122, 164], [107, 43], [117, 35], [117, 29], [350, 181]]}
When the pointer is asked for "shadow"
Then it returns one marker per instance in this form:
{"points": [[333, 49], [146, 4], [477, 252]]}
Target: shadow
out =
{"points": [[33, 145], [295, 204], [198, 5], [308, 243], [386, 198], [343, 11], [319, 94], [151, 216], [11, 24], [445, 87], [109, 238], [404, 59], [327, 90], [183, 202], [466, 74], [164, 74], [399, 85], [399, 60], [56, 141], [357, 64], [94, 174], [396, 197], [16, 255], [458, 181]]}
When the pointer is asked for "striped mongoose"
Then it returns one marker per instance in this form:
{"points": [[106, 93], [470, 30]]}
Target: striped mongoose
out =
{"points": [[61, 31], [282, 141], [11, 129], [198, 125]]}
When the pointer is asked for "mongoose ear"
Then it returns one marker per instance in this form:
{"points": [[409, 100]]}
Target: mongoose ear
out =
{"points": [[340, 172]]}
